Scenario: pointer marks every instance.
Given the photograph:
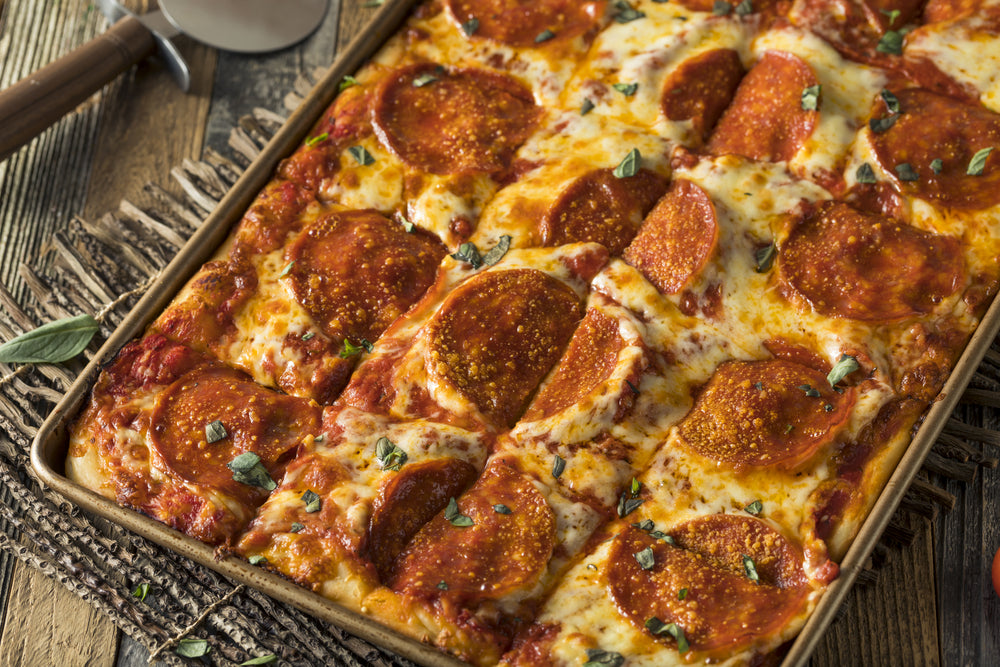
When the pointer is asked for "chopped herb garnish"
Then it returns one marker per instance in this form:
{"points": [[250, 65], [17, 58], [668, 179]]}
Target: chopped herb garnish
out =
{"points": [[660, 535], [349, 349], [309, 335], [789, 428], [452, 514], [558, 465], [600, 658], [635, 390], [408, 226], [470, 27], [192, 648], [810, 94], [634, 487], [296, 527], [256, 559], [892, 14], [496, 253], [320, 438], [312, 141], [891, 101], [751, 569], [755, 508], [645, 558], [759, 386], [905, 172], [865, 174], [346, 83], [586, 107], [626, 89], [891, 43], [658, 627], [628, 505], [828, 407], [544, 36], [879, 125], [844, 367], [424, 79], [811, 392], [978, 162], [500, 508], [141, 591], [247, 469], [626, 12], [937, 165], [764, 257], [682, 593], [468, 252], [744, 8], [442, 585], [312, 500], [721, 8], [215, 431], [629, 166], [288, 269], [361, 155], [645, 525], [268, 659], [388, 454]]}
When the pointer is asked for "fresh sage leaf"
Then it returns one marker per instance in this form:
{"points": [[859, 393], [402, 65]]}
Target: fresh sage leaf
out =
{"points": [[247, 469], [52, 343]]}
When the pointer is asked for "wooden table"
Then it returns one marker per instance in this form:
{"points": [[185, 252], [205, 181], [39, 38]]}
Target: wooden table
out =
{"points": [[932, 603]]}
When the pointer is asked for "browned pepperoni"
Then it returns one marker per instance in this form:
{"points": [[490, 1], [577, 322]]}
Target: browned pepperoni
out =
{"points": [[409, 500], [498, 554], [701, 88], [867, 267], [945, 10], [766, 120], [497, 336], [357, 272], [764, 7], [855, 27], [765, 414], [934, 127], [723, 610], [255, 420], [601, 208], [273, 215], [589, 361], [520, 22], [462, 121], [677, 238], [154, 360]]}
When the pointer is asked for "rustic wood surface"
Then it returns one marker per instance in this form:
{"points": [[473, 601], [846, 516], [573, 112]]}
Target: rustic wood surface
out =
{"points": [[932, 602]]}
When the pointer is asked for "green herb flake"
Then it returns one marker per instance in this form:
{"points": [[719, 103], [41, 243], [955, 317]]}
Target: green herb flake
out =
{"points": [[978, 162], [844, 367], [645, 558], [597, 657], [215, 431], [247, 469], [288, 269], [629, 166], [319, 138], [346, 83], [349, 349], [634, 487], [558, 466], [744, 8], [470, 27], [496, 253], [658, 627], [141, 591], [880, 125], [937, 165], [682, 593], [810, 95], [256, 559], [828, 407], [192, 648], [755, 508], [52, 343], [424, 80], [789, 428], [452, 514], [891, 101], [759, 386], [905, 172], [626, 12], [309, 335], [469, 253], [891, 43], [296, 527], [442, 585], [312, 500], [544, 36], [361, 155], [750, 569], [660, 535], [891, 14], [635, 390], [810, 391], [408, 226], [626, 89], [586, 107], [500, 508], [644, 525], [268, 659], [721, 8], [865, 174], [764, 257], [389, 455], [627, 505]]}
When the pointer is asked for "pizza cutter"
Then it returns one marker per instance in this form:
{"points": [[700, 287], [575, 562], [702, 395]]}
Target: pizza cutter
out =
{"points": [[244, 26]]}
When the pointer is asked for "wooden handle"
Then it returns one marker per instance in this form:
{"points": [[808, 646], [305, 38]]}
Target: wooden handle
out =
{"points": [[40, 99]]}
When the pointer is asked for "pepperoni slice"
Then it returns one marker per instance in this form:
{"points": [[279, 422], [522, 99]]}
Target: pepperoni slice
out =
{"points": [[589, 361], [273, 215], [935, 127], [766, 120], [866, 266], [495, 556], [723, 610], [763, 7], [409, 500], [677, 238], [357, 272], [945, 10], [701, 88], [255, 420], [520, 22], [855, 27], [602, 208], [453, 121], [765, 414], [497, 336]]}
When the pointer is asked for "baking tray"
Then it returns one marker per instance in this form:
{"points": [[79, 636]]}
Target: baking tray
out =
{"points": [[49, 449]]}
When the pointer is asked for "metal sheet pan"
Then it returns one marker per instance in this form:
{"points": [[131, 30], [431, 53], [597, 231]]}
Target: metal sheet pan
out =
{"points": [[50, 446]]}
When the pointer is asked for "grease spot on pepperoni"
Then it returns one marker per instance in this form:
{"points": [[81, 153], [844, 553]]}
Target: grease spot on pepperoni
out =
{"points": [[357, 272], [519, 22], [495, 556], [867, 267], [409, 500], [497, 336], [933, 127], [601, 208], [465, 121], [766, 120], [723, 609], [256, 420], [677, 238], [755, 414], [701, 88], [589, 361]]}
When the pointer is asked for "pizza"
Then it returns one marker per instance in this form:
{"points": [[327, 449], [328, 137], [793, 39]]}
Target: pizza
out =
{"points": [[581, 332]]}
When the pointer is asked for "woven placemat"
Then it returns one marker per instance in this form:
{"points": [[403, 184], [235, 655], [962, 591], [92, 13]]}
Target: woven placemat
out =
{"points": [[102, 268]]}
